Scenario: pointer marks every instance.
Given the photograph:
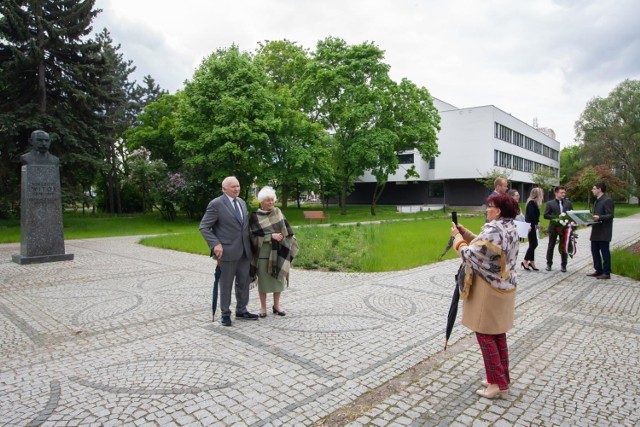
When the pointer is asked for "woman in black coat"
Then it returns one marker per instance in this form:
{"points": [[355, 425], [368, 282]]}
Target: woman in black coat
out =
{"points": [[532, 216]]}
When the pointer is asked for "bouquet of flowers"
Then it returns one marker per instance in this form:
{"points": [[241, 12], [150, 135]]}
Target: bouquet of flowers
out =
{"points": [[566, 229]]}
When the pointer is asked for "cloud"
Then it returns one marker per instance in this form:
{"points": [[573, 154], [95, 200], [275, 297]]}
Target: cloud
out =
{"points": [[544, 58]]}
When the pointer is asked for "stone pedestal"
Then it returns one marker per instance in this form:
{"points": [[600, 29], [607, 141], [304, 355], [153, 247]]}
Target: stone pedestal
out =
{"points": [[41, 233]]}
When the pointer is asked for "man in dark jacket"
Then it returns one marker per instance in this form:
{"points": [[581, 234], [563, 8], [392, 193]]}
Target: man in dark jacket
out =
{"points": [[601, 232], [552, 210]]}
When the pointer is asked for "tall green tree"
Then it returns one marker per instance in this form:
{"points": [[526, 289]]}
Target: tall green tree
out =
{"points": [[149, 92], [580, 185], [123, 99], [347, 90], [118, 109], [610, 130], [296, 154], [571, 162], [224, 121], [154, 130], [412, 122], [49, 71]]}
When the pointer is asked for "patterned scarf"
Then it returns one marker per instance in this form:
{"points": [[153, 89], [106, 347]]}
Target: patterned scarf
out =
{"points": [[282, 253], [492, 255]]}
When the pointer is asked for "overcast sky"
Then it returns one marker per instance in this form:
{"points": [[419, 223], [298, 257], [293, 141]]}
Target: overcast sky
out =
{"points": [[541, 59]]}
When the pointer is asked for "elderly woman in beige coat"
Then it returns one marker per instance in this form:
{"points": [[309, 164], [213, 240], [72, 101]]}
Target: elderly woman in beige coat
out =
{"points": [[489, 261]]}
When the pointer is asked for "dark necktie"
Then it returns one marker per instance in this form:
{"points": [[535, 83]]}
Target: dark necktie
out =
{"points": [[237, 209]]}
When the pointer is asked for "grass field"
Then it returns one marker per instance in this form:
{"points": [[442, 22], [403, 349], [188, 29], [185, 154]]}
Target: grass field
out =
{"points": [[401, 241], [388, 246]]}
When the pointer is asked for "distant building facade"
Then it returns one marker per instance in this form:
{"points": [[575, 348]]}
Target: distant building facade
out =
{"points": [[472, 142]]}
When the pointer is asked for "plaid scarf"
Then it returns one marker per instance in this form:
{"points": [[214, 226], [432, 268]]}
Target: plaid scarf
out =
{"points": [[282, 253], [492, 255]]}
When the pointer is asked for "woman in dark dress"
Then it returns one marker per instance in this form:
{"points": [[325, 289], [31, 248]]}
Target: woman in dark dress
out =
{"points": [[532, 216]]}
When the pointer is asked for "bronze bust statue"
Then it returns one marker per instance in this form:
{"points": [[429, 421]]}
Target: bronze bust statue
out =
{"points": [[39, 154]]}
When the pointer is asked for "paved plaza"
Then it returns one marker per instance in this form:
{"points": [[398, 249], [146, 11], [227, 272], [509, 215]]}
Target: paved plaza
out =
{"points": [[122, 335]]}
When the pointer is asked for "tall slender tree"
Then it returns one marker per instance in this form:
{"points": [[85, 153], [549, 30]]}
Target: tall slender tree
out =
{"points": [[50, 71], [154, 131], [610, 130], [223, 123], [296, 153], [118, 110], [412, 122], [370, 118], [345, 91]]}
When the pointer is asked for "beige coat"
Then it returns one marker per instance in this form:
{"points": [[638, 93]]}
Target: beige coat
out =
{"points": [[486, 309]]}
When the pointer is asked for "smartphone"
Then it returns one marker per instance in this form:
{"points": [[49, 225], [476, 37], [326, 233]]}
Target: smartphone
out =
{"points": [[454, 217]]}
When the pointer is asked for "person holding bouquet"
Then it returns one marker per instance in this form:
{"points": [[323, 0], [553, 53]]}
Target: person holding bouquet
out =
{"points": [[554, 208]]}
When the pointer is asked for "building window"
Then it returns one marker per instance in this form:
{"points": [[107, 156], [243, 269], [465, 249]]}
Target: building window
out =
{"points": [[436, 189], [505, 134], [405, 159], [509, 161], [432, 163], [537, 147], [528, 143]]}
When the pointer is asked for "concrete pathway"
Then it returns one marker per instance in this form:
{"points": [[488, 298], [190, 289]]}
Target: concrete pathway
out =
{"points": [[122, 335]]}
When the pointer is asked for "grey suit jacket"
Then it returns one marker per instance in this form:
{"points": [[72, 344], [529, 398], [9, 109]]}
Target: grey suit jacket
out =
{"points": [[220, 225], [602, 231]]}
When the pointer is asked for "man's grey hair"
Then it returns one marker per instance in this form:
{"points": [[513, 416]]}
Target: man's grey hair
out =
{"points": [[226, 181], [267, 193]]}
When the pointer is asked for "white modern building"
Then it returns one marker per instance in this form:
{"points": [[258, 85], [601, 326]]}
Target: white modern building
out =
{"points": [[472, 142]]}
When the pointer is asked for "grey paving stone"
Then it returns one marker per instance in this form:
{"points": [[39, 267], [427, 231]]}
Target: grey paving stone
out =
{"points": [[122, 335]]}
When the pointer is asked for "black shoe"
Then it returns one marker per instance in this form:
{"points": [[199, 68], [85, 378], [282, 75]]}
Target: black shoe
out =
{"points": [[594, 274], [548, 267], [524, 266], [247, 316], [604, 276], [563, 269], [279, 313], [262, 315], [533, 267], [226, 321]]}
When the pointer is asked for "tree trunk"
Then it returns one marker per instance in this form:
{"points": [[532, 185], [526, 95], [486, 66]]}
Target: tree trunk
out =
{"points": [[42, 88], [114, 190], [377, 192], [285, 195], [343, 199], [117, 194], [110, 203]]}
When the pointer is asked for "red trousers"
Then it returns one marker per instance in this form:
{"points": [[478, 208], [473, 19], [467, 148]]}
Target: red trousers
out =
{"points": [[496, 358]]}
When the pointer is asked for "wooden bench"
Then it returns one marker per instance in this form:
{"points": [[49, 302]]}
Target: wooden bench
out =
{"points": [[311, 215]]}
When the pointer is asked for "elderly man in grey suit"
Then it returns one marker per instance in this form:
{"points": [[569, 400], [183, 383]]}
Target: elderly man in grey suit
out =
{"points": [[225, 228]]}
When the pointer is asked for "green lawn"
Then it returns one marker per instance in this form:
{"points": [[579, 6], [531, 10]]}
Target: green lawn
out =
{"points": [[78, 226], [418, 239], [389, 246]]}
